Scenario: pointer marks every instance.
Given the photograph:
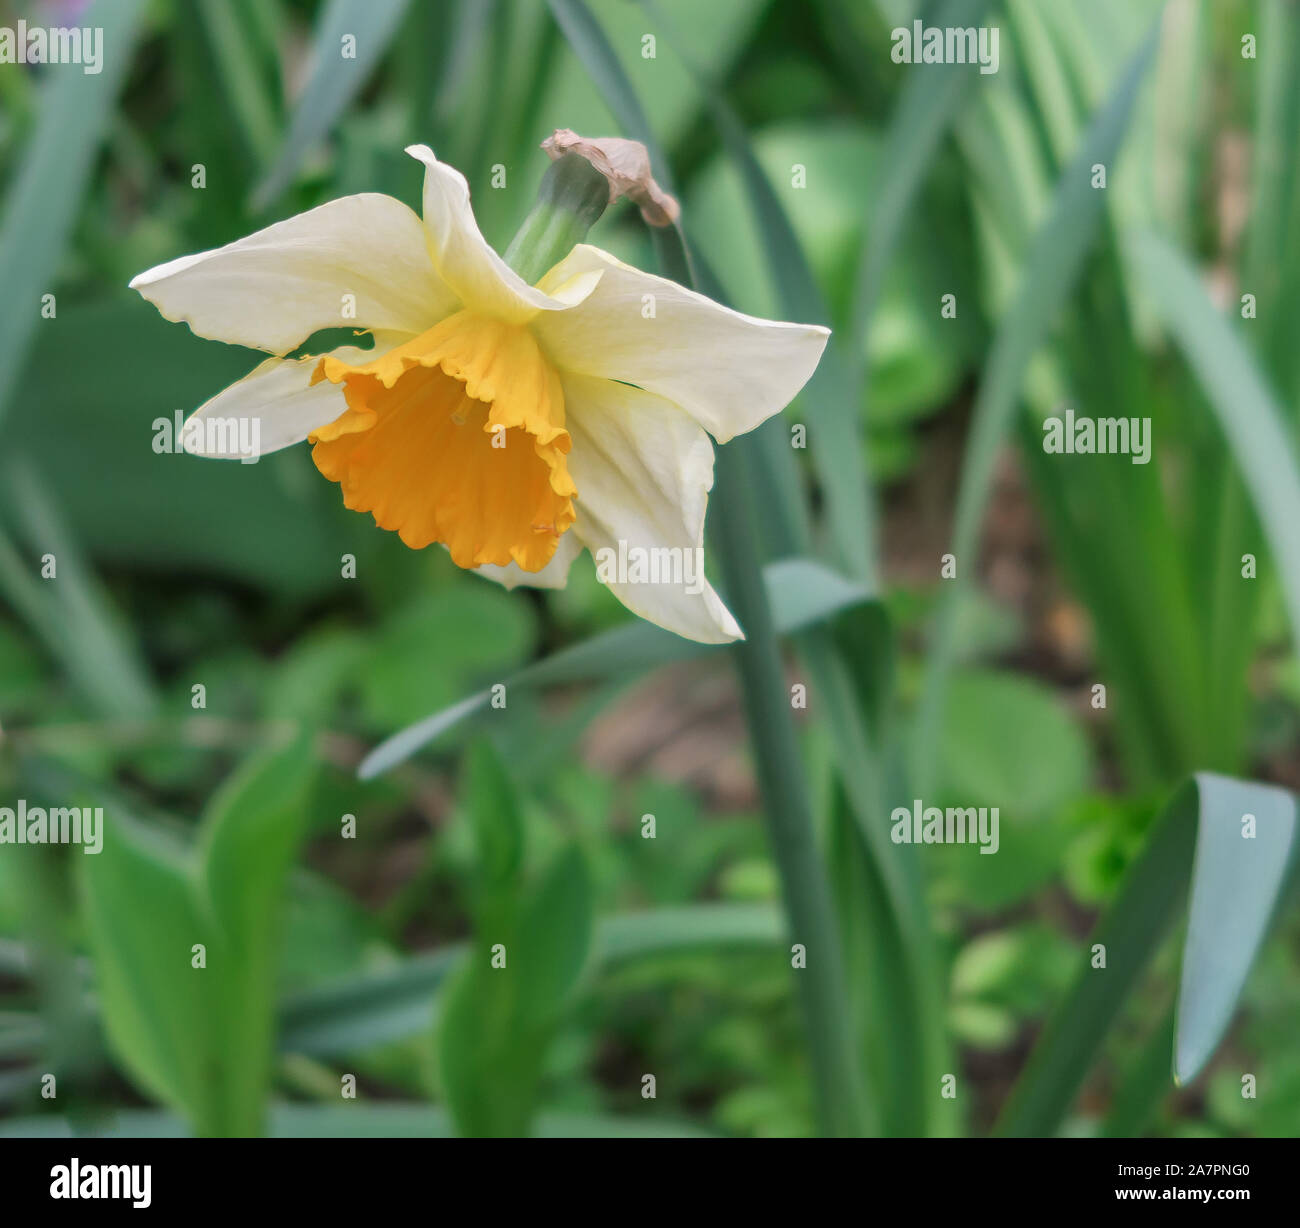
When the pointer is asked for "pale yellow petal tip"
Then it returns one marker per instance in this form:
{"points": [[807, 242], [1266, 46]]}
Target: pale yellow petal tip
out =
{"points": [[422, 153], [148, 278], [818, 335]]}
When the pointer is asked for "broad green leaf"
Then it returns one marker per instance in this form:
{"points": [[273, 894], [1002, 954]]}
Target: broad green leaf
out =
{"points": [[75, 109], [490, 1055], [199, 1038], [555, 935], [159, 1012], [504, 1004], [1051, 270], [496, 817], [1008, 743], [802, 593], [336, 77], [499, 1012], [249, 840], [310, 675], [1198, 837], [1244, 854]]}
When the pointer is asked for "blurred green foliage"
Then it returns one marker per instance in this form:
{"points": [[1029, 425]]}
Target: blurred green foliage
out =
{"points": [[368, 958]]}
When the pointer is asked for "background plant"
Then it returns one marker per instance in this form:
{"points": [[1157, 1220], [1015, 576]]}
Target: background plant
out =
{"points": [[363, 958]]}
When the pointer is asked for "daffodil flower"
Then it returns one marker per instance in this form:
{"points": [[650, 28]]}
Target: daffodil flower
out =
{"points": [[513, 423]]}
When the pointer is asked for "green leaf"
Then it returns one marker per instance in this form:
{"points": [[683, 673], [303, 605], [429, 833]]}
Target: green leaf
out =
{"points": [[584, 35], [22, 1034], [358, 1120], [802, 592], [501, 1008], [498, 1018], [836, 433], [233, 47], [142, 920], [1008, 741], [1008, 744], [1142, 1085], [199, 1039], [845, 1104], [1273, 246], [853, 709], [73, 616], [250, 838], [667, 931], [380, 1006], [496, 817], [883, 989], [438, 646], [1236, 884], [367, 1010], [929, 102], [75, 108], [490, 1056], [1250, 417], [334, 81], [309, 676], [282, 528], [1238, 879], [1051, 270], [555, 935]]}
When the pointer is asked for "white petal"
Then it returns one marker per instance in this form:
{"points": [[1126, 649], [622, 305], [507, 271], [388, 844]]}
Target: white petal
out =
{"points": [[274, 406], [465, 260], [273, 289], [728, 371], [554, 575], [644, 470]]}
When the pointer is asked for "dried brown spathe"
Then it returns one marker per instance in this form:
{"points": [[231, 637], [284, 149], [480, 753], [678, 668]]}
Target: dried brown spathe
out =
{"points": [[626, 165]]}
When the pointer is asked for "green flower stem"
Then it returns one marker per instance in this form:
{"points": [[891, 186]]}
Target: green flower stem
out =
{"points": [[805, 886], [784, 787], [570, 199]]}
